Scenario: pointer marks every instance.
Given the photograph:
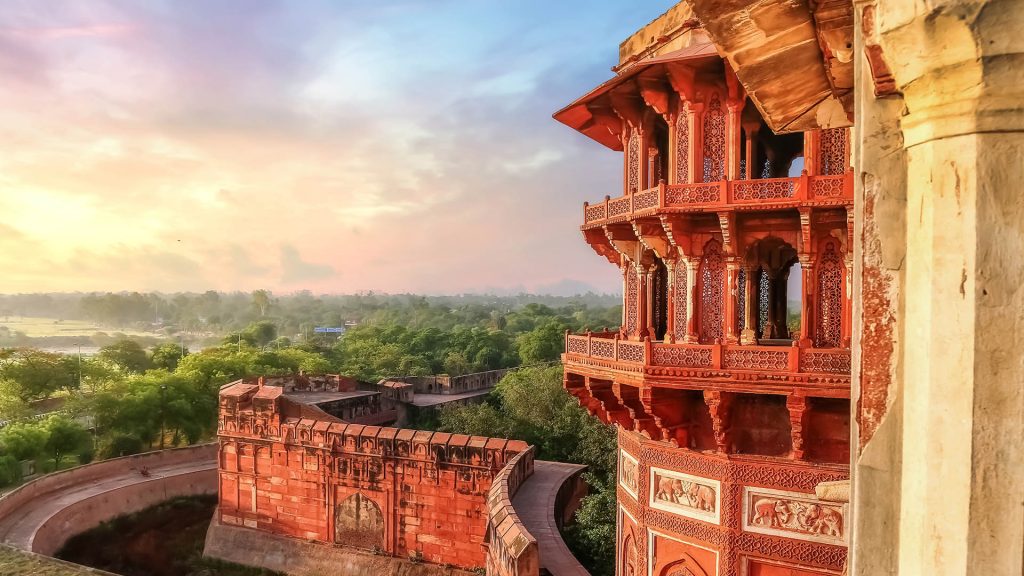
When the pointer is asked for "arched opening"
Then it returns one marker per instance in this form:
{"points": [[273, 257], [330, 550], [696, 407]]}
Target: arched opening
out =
{"points": [[774, 270], [630, 558], [712, 292], [358, 522], [714, 140], [830, 271]]}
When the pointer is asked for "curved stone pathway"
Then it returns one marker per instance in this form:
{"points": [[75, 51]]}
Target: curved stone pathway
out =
{"points": [[535, 505], [19, 529]]}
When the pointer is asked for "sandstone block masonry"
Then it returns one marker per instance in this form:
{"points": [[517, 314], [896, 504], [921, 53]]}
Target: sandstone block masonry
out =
{"points": [[293, 470]]}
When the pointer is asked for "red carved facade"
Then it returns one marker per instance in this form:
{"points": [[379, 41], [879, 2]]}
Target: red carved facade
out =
{"points": [[291, 469], [729, 380]]}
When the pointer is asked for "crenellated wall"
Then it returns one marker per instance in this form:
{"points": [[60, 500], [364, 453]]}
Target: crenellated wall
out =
{"points": [[406, 493]]}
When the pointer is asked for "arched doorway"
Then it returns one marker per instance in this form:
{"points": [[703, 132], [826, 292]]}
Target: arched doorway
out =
{"points": [[358, 522]]}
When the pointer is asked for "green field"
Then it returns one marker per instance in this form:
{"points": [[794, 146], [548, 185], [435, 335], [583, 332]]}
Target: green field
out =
{"points": [[42, 327]]}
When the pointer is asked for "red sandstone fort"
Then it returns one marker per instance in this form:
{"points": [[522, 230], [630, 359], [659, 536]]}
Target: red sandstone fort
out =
{"points": [[728, 381]]}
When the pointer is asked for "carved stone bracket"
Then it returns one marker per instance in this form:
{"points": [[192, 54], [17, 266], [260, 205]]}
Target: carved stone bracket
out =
{"points": [[720, 407], [727, 223], [797, 406]]}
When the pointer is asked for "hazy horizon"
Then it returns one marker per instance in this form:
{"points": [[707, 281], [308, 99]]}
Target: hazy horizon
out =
{"points": [[401, 147]]}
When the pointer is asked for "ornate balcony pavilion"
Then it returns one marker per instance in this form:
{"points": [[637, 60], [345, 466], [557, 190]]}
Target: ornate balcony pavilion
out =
{"points": [[729, 378]]}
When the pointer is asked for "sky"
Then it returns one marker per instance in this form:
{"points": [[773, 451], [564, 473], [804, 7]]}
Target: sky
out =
{"points": [[334, 146]]}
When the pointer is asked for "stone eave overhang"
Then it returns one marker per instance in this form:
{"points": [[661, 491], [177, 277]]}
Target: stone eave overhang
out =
{"points": [[793, 57], [592, 116]]}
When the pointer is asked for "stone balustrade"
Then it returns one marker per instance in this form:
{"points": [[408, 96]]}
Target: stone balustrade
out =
{"points": [[650, 355], [713, 196]]}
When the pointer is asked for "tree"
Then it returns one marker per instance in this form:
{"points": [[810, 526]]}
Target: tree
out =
{"points": [[126, 354], [261, 300], [35, 374], [167, 355], [545, 343], [23, 440], [64, 436]]}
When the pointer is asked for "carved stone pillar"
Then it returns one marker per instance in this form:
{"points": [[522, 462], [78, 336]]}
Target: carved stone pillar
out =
{"points": [[647, 302], [696, 115], [769, 330], [812, 152], [625, 299], [692, 296], [808, 310], [847, 324], [749, 335], [797, 406], [733, 138], [670, 301], [732, 278]]}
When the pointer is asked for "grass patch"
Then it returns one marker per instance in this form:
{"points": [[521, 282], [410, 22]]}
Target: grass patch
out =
{"points": [[17, 562], [36, 327]]}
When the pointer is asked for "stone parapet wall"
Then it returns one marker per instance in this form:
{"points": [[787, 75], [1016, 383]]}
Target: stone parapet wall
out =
{"points": [[81, 515], [57, 481], [90, 512], [512, 550], [404, 493]]}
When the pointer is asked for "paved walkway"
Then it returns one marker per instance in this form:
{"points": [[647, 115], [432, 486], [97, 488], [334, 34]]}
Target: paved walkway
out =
{"points": [[18, 529], [535, 505]]}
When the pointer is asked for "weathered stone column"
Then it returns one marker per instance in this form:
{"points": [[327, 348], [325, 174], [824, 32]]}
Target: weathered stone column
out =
{"points": [[959, 450]]}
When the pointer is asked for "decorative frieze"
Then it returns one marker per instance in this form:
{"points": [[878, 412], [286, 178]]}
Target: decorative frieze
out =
{"points": [[793, 515], [685, 494]]}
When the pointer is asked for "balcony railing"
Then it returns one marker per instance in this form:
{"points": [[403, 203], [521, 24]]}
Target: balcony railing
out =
{"points": [[782, 359], [710, 196]]}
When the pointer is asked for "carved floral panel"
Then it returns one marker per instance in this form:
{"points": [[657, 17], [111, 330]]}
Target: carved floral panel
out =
{"points": [[793, 515], [686, 495]]}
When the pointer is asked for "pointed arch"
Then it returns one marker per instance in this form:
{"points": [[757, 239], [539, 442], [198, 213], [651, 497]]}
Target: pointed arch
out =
{"points": [[359, 522], [830, 271], [711, 283], [714, 140]]}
